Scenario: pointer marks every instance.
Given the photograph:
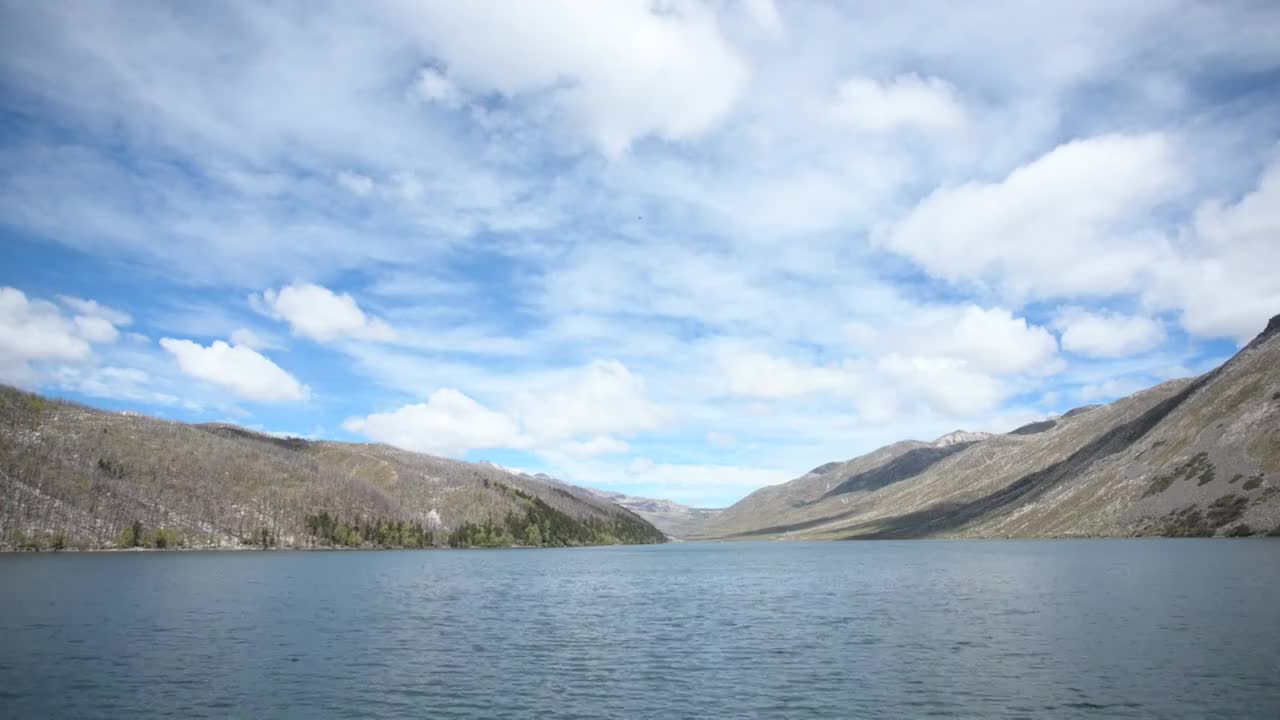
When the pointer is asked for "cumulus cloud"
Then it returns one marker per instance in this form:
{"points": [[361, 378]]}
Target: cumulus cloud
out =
{"points": [[96, 329], [1061, 225], [33, 331], [906, 101], [1224, 279], [620, 71], [1107, 335], [954, 360], [251, 339], [572, 413], [947, 385], [602, 397], [760, 375], [988, 339], [318, 313], [240, 369], [448, 423]]}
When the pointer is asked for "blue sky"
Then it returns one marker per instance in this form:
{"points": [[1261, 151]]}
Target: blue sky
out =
{"points": [[675, 249]]}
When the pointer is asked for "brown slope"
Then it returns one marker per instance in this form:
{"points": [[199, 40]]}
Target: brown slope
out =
{"points": [[85, 475]]}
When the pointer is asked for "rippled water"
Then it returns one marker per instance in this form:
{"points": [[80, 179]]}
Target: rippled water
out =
{"points": [[885, 629]]}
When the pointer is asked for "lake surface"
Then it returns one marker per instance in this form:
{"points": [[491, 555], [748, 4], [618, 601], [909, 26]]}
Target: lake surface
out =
{"points": [[1090, 629]]}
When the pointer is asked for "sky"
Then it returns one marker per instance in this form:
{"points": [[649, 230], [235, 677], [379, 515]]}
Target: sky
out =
{"points": [[673, 249]]}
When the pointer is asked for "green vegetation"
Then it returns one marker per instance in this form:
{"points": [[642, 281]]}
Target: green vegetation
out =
{"points": [[1240, 530], [1198, 467], [132, 536], [1252, 483], [1191, 522], [135, 535], [1266, 494], [1226, 509], [379, 532], [542, 525], [162, 538], [1187, 522]]}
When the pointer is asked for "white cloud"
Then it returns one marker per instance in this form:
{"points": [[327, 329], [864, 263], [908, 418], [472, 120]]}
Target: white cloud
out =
{"points": [[448, 423], [598, 445], [549, 413], [764, 13], [603, 397], [1062, 224], [36, 330], [251, 339], [949, 386], [94, 321], [991, 340], [620, 70], [118, 383], [906, 101], [318, 313], [1225, 279], [240, 369], [1107, 335], [433, 86], [760, 375], [94, 309], [96, 329], [358, 184]]}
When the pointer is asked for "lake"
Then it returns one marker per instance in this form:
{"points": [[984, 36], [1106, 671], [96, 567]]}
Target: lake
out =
{"points": [[1086, 628]]}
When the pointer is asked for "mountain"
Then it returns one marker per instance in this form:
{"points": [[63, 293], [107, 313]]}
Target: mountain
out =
{"points": [[1192, 457], [78, 477], [673, 519]]}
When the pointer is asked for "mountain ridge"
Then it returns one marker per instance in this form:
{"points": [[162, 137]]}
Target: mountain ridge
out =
{"points": [[1120, 469], [75, 476]]}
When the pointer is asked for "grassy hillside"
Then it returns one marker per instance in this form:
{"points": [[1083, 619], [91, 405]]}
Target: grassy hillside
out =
{"points": [[72, 476]]}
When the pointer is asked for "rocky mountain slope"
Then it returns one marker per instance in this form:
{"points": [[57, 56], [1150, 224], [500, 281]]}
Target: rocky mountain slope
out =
{"points": [[1193, 457], [673, 519], [72, 476]]}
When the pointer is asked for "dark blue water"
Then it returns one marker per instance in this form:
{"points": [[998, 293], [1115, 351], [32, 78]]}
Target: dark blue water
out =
{"points": [[1139, 628]]}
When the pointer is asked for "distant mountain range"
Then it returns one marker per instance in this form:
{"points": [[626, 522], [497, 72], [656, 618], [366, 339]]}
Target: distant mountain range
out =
{"points": [[1192, 457], [72, 476], [672, 518]]}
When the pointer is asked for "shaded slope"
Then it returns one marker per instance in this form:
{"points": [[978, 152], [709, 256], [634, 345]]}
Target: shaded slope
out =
{"points": [[1115, 440], [904, 467]]}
